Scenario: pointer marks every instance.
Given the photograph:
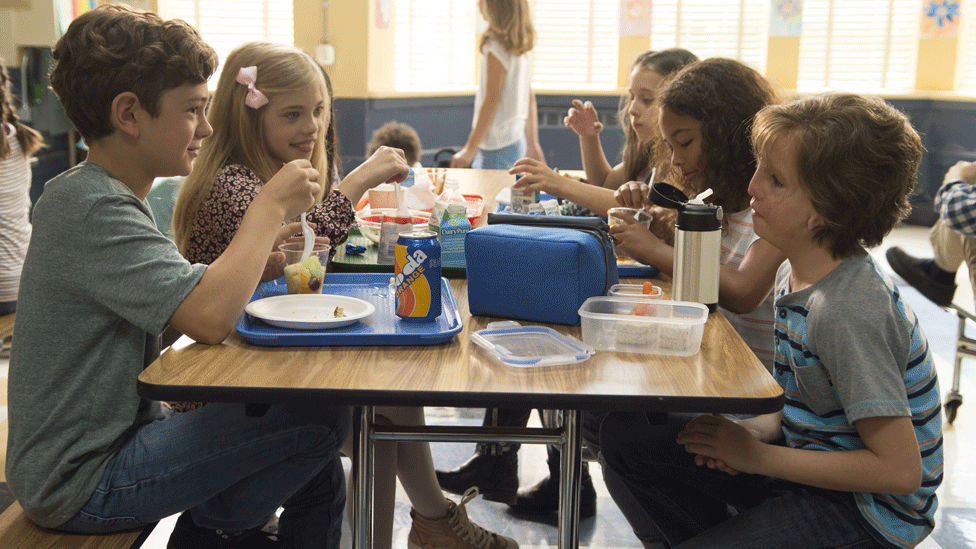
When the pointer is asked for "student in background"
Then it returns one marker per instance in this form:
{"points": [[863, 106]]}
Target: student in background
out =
{"points": [[953, 239], [399, 136], [17, 144], [287, 122], [644, 151], [855, 457], [100, 283], [506, 122]]}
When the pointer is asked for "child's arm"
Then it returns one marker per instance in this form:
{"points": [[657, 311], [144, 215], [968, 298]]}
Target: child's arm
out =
{"points": [[583, 119], [536, 176], [739, 290], [387, 164], [533, 147], [210, 310], [494, 80], [890, 463]]}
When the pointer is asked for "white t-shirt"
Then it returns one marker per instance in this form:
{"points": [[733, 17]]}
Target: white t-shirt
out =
{"points": [[15, 227], [756, 328], [513, 106]]}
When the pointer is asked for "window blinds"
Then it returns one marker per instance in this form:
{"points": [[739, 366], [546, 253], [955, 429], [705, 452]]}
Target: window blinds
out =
{"points": [[867, 45], [435, 44], [226, 24], [576, 44]]}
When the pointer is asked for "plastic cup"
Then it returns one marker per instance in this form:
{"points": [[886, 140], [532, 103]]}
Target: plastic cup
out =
{"points": [[305, 277], [642, 216], [383, 196]]}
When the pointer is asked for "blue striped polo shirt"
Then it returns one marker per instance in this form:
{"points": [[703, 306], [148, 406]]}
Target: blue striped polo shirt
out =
{"points": [[848, 348]]}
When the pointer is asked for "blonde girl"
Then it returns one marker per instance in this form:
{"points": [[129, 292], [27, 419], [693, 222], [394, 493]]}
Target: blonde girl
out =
{"points": [[273, 106], [17, 144], [505, 126]]}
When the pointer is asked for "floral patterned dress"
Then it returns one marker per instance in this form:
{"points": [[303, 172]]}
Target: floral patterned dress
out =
{"points": [[233, 191]]}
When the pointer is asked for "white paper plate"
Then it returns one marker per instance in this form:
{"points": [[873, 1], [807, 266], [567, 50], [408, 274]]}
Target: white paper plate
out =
{"points": [[309, 311]]}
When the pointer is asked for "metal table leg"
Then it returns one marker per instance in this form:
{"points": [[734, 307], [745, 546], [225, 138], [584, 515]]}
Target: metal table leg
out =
{"points": [[362, 472], [569, 481]]}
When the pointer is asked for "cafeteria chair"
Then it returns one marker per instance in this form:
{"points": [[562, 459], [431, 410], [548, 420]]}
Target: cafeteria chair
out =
{"points": [[965, 348], [18, 532]]}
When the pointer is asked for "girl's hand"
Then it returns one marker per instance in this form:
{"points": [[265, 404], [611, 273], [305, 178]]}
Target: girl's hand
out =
{"points": [[294, 187], [634, 238], [583, 119], [289, 232], [463, 158], [721, 443], [386, 165], [632, 194], [536, 176]]}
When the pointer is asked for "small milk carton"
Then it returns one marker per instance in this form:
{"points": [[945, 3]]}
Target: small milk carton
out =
{"points": [[453, 230]]}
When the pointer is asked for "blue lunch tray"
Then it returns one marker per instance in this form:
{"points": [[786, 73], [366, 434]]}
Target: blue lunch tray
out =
{"points": [[383, 327]]}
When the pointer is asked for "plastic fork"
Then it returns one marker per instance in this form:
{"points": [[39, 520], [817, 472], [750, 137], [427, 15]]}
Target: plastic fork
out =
{"points": [[309, 237]]}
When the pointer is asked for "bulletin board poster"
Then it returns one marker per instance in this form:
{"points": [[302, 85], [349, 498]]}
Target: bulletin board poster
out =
{"points": [[635, 17], [940, 18], [785, 17], [66, 10]]}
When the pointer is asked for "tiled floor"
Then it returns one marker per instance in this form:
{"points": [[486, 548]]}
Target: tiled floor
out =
{"points": [[956, 527]]}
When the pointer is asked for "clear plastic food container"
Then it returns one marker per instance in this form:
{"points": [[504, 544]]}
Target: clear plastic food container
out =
{"points": [[639, 325], [634, 290]]}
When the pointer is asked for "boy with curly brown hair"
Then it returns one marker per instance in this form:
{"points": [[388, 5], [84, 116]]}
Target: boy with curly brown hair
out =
{"points": [[86, 454]]}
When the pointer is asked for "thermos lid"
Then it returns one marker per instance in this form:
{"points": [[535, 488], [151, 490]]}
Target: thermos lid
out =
{"points": [[699, 218], [667, 196]]}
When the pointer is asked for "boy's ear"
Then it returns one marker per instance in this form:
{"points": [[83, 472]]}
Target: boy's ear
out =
{"points": [[125, 107], [815, 222]]}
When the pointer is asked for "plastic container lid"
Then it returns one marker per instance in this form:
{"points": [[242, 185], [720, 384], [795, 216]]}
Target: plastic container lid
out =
{"points": [[524, 346]]}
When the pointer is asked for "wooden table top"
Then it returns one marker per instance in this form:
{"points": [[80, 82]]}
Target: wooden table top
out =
{"points": [[725, 376]]}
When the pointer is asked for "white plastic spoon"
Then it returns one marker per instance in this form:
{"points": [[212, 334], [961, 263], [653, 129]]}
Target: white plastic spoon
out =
{"points": [[309, 237]]}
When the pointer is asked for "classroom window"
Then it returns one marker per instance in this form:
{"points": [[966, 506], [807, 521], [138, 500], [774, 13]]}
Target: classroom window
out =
{"points": [[576, 44], [226, 24], [862, 46], [713, 28], [435, 44]]}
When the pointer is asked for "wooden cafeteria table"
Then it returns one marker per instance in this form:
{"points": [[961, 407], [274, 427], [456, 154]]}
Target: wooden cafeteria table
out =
{"points": [[725, 376]]}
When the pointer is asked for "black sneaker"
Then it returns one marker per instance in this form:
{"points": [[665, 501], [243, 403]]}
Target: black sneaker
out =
{"points": [[917, 273], [187, 535]]}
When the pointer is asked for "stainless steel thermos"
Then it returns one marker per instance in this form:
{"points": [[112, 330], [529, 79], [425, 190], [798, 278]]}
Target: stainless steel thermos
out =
{"points": [[697, 244]]}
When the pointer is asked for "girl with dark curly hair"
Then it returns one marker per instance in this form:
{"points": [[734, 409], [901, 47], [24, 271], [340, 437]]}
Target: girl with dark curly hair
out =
{"points": [[705, 119]]}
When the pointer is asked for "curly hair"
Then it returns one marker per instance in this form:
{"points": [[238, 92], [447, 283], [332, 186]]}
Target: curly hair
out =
{"points": [[635, 155], [114, 49], [29, 138], [724, 95], [399, 135], [857, 158]]}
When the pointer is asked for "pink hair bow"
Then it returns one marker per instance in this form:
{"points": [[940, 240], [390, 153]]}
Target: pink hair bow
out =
{"points": [[248, 76]]}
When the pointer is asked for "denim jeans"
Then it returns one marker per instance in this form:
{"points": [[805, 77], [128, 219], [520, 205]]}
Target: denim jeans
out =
{"points": [[666, 497], [230, 471], [500, 159]]}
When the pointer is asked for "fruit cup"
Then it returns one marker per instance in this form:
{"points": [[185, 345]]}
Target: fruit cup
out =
{"points": [[305, 277]]}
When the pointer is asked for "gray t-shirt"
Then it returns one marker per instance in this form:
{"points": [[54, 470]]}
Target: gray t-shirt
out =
{"points": [[98, 286]]}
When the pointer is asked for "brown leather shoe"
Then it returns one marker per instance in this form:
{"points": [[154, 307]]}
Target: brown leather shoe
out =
{"points": [[495, 475], [454, 531]]}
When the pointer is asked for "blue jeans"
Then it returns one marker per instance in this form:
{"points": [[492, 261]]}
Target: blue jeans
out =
{"points": [[500, 159], [666, 497], [230, 471]]}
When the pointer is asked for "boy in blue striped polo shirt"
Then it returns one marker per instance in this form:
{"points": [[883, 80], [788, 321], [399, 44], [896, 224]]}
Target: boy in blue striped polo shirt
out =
{"points": [[855, 457]]}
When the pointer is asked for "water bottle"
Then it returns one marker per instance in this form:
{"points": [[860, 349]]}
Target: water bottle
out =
{"points": [[697, 244], [451, 195]]}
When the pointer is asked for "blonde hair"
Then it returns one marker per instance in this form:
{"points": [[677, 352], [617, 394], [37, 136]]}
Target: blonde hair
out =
{"points": [[238, 132], [510, 22]]}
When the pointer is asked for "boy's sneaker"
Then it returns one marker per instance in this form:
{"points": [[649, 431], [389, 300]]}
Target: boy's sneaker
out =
{"points": [[454, 530], [187, 535]]}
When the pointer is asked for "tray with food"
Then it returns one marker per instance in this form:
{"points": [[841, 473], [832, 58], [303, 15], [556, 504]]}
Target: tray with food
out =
{"points": [[361, 256], [353, 309]]}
